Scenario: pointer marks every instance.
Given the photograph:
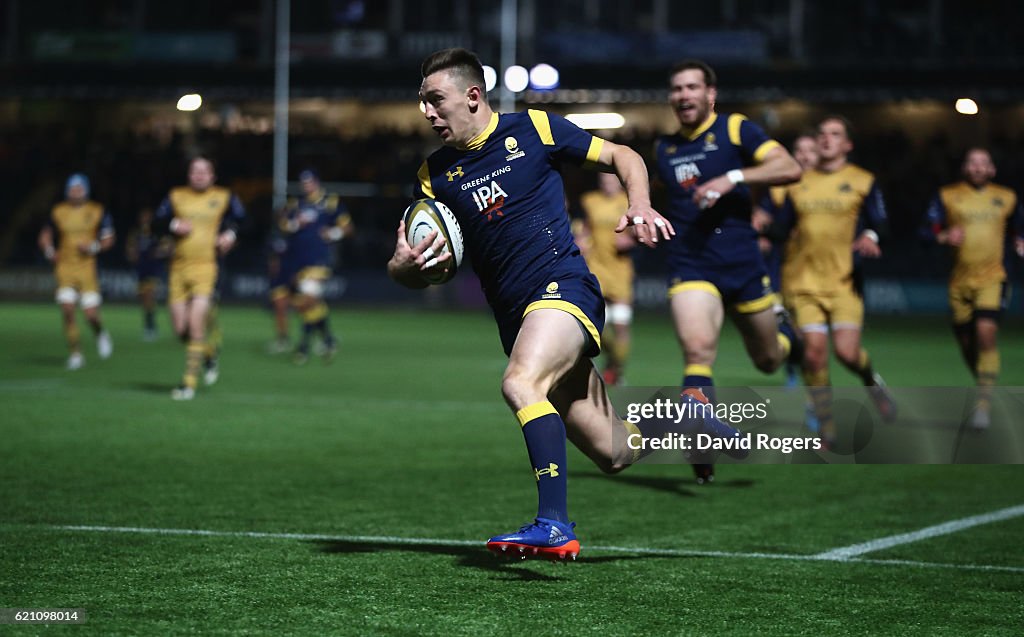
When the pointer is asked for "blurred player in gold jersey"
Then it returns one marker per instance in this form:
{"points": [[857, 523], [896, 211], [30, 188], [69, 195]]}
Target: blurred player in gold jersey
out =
{"points": [[203, 219], [608, 256], [835, 210], [982, 223], [84, 230], [805, 152]]}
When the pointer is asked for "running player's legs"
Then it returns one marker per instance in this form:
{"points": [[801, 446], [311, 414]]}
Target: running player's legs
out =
{"points": [[961, 304], [697, 314], [590, 420], [760, 331]]}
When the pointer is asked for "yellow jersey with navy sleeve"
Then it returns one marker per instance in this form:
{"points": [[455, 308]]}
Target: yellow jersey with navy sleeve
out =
{"points": [[990, 217], [826, 211], [210, 212], [75, 225], [506, 191], [613, 269]]}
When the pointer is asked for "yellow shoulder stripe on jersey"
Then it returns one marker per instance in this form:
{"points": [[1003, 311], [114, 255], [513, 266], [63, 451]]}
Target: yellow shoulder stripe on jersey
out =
{"points": [[569, 308], [534, 411], [594, 152], [543, 125], [735, 121], [478, 142], [755, 305], [764, 149], [424, 176], [706, 286]]}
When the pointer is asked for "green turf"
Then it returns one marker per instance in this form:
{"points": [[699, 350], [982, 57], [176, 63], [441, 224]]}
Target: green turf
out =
{"points": [[406, 435]]}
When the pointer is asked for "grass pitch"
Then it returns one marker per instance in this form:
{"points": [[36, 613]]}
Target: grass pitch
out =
{"points": [[285, 500]]}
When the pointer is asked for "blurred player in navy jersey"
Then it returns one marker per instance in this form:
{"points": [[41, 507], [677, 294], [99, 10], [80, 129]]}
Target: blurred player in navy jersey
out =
{"points": [[499, 174], [280, 271], [148, 253], [83, 230], [835, 211], [202, 218], [608, 256], [312, 224], [983, 224], [709, 167]]}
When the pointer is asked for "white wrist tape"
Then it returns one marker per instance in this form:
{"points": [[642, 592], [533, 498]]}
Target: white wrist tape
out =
{"points": [[871, 234], [735, 176]]}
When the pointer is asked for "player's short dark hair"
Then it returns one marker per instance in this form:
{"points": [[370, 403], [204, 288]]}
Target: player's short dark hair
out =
{"points": [[709, 73], [847, 125], [462, 63], [807, 132], [206, 158]]}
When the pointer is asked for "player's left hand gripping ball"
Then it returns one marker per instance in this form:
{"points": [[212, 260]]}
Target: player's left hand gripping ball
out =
{"points": [[424, 216]]}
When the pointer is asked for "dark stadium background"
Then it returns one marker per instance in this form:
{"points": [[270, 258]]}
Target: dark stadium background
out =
{"points": [[92, 87]]}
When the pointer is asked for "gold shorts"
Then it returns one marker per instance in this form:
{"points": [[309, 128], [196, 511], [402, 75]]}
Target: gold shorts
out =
{"points": [[189, 280], [969, 301], [815, 312], [81, 278]]}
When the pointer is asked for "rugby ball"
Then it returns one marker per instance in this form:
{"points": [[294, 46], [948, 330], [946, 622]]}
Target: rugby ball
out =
{"points": [[424, 216]]}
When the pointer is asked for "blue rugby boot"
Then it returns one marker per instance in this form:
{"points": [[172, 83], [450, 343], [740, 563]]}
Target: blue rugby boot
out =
{"points": [[549, 539]]}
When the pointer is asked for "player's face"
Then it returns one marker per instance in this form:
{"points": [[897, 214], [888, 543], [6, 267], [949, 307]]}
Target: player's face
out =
{"points": [[979, 168], [77, 194], [805, 152], [609, 183], [446, 105], [833, 140], [310, 186], [691, 98], [200, 174]]}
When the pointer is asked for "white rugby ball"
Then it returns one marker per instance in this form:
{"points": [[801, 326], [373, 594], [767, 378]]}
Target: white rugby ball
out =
{"points": [[424, 216]]}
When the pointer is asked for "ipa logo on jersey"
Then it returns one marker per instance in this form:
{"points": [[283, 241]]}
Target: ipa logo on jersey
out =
{"points": [[687, 174], [489, 198]]}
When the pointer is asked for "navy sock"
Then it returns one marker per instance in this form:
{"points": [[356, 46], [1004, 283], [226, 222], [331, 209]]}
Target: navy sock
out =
{"points": [[544, 432], [699, 376]]}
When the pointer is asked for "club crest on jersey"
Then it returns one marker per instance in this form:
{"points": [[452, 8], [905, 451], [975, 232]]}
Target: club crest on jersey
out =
{"points": [[687, 174], [452, 174], [709, 142], [845, 187], [997, 201], [489, 198], [512, 146]]}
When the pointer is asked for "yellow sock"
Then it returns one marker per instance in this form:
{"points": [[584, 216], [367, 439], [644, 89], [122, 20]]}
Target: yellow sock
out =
{"points": [[72, 335], [193, 360]]}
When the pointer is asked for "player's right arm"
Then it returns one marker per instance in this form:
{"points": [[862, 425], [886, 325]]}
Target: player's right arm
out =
{"points": [[46, 240], [408, 263], [164, 221], [936, 228]]}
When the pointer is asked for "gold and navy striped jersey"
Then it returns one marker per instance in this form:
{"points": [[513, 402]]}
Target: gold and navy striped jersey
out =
{"points": [[78, 224], [827, 210], [507, 194], [210, 212], [990, 216]]}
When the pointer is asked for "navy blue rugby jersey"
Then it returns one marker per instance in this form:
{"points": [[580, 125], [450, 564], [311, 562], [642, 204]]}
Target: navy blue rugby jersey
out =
{"points": [[306, 246], [507, 193], [687, 159]]}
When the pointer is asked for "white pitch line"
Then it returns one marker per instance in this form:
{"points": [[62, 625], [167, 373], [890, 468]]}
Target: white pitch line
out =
{"points": [[955, 526], [410, 541]]}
